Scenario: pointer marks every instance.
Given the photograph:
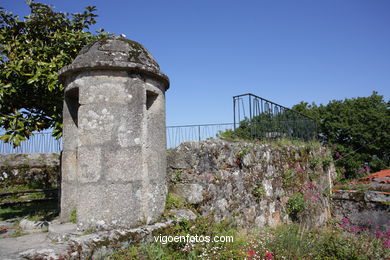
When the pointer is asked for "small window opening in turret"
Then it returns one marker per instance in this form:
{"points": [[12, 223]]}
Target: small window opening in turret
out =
{"points": [[150, 98], [72, 101]]}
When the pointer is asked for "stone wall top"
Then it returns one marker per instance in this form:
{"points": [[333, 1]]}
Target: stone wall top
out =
{"points": [[118, 53], [17, 160]]}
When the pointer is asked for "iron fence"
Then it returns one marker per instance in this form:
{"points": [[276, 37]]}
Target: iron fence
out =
{"points": [[44, 142], [179, 134], [256, 117]]}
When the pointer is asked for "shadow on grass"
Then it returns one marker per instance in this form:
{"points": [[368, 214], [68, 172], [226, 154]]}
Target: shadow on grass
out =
{"points": [[44, 210]]}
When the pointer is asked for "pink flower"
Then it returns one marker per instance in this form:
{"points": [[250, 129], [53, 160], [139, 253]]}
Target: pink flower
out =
{"points": [[387, 243], [343, 225], [345, 220], [338, 155], [251, 252], [268, 255], [379, 234], [299, 170], [334, 145], [353, 229]]}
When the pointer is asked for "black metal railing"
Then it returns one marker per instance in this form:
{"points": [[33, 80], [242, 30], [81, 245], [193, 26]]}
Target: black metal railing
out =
{"points": [[256, 117]]}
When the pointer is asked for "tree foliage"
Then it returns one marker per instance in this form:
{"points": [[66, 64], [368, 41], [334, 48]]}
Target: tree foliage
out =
{"points": [[357, 129], [284, 124], [31, 53]]}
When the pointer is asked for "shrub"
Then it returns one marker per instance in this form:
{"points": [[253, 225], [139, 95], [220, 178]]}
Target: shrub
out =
{"points": [[174, 202], [296, 204]]}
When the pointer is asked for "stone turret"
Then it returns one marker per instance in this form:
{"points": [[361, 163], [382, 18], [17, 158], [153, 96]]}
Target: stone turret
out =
{"points": [[114, 152]]}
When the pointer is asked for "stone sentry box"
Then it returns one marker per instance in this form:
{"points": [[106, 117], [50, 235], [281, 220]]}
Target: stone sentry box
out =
{"points": [[114, 152]]}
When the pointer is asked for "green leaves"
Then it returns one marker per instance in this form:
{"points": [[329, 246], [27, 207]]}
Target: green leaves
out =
{"points": [[358, 130], [32, 51]]}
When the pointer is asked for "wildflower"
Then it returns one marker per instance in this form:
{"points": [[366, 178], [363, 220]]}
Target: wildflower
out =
{"points": [[345, 220], [387, 243], [353, 229], [379, 234], [238, 161], [299, 170], [251, 252], [343, 225], [338, 155], [3, 229], [268, 255]]}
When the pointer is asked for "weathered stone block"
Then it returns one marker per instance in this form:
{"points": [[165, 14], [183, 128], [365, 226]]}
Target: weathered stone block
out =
{"points": [[69, 166], [122, 165], [69, 199], [193, 193], [113, 204], [89, 164]]}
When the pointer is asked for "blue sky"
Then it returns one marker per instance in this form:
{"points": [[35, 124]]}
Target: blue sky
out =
{"points": [[283, 50]]}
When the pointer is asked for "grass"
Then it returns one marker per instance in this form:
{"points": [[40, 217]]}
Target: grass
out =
{"points": [[174, 202], [18, 233], [46, 210], [284, 242], [15, 188], [73, 216], [280, 142]]}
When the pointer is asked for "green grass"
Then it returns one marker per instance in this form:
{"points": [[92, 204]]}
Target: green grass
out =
{"points": [[280, 142], [174, 202], [73, 216], [18, 233], [284, 242], [46, 210], [15, 188]]}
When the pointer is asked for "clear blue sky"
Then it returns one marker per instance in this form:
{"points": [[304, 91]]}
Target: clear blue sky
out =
{"points": [[286, 51]]}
